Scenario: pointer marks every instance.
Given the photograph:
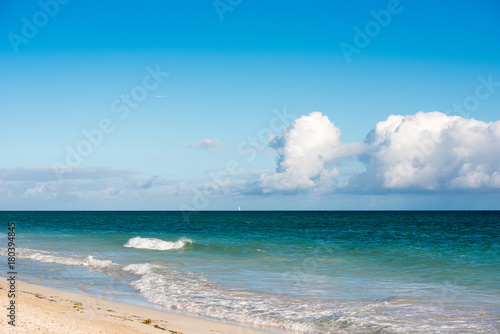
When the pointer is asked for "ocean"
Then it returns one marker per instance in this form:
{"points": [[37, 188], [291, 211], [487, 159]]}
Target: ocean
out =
{"points": [[284, 271]]}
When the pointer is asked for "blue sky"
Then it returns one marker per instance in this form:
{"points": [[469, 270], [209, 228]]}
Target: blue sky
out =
{"points": [[243, 72]]}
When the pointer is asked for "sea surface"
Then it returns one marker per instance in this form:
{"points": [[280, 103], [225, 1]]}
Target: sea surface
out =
{"points": [[285, 271]]}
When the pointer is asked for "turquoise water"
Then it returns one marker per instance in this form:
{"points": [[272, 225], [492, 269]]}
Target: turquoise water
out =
{"points": [[313, 272]]}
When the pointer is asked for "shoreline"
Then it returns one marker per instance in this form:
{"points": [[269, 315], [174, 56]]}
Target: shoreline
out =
{"points": [[40, 309]]}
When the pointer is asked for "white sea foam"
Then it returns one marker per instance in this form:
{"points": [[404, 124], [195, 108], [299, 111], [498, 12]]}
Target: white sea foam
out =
{"points": [[54, 257], [156, 244], [91, 262], [139, 269], [193, 293]]}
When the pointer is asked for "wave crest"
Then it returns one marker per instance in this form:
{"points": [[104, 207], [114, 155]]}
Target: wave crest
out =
{"points": [[156, 244]]}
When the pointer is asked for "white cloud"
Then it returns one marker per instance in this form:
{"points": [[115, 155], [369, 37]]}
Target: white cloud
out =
{"points": [[421, 152], [203, 144], [433, 151], [304, 150]]}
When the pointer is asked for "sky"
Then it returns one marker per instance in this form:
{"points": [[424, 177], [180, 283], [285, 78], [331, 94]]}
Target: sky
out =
{"points": [[215, 105]]}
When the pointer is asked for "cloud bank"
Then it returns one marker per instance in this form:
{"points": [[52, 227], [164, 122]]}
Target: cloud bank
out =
{"points": [[422, 152], [430, 153]]}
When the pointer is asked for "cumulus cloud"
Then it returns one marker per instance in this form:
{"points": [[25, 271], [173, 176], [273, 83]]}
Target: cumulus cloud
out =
{"points": [[304, 150], [432, 151], [421, 152], [203, 144]]}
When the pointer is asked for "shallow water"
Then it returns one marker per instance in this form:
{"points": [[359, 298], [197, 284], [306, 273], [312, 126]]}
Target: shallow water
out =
{"points": [[315, 272]]}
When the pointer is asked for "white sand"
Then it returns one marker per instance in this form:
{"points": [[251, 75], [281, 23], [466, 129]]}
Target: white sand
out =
{"points": [[41, 309]]}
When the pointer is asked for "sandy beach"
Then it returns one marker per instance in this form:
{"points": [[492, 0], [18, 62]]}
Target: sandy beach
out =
{"points": [[40, 309]]}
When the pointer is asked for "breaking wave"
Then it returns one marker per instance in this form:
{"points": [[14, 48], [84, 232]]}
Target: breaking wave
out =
{"points": [[156, 244]]}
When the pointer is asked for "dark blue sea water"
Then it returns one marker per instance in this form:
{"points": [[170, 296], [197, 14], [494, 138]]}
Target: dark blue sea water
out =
{"points": [[314, 272]]}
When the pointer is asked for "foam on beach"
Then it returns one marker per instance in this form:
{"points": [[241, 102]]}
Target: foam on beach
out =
{"points": [[52, 257], [193, 293]]}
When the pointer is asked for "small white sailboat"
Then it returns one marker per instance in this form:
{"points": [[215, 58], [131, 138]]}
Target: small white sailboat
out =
{"points": [[239, 209]]}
